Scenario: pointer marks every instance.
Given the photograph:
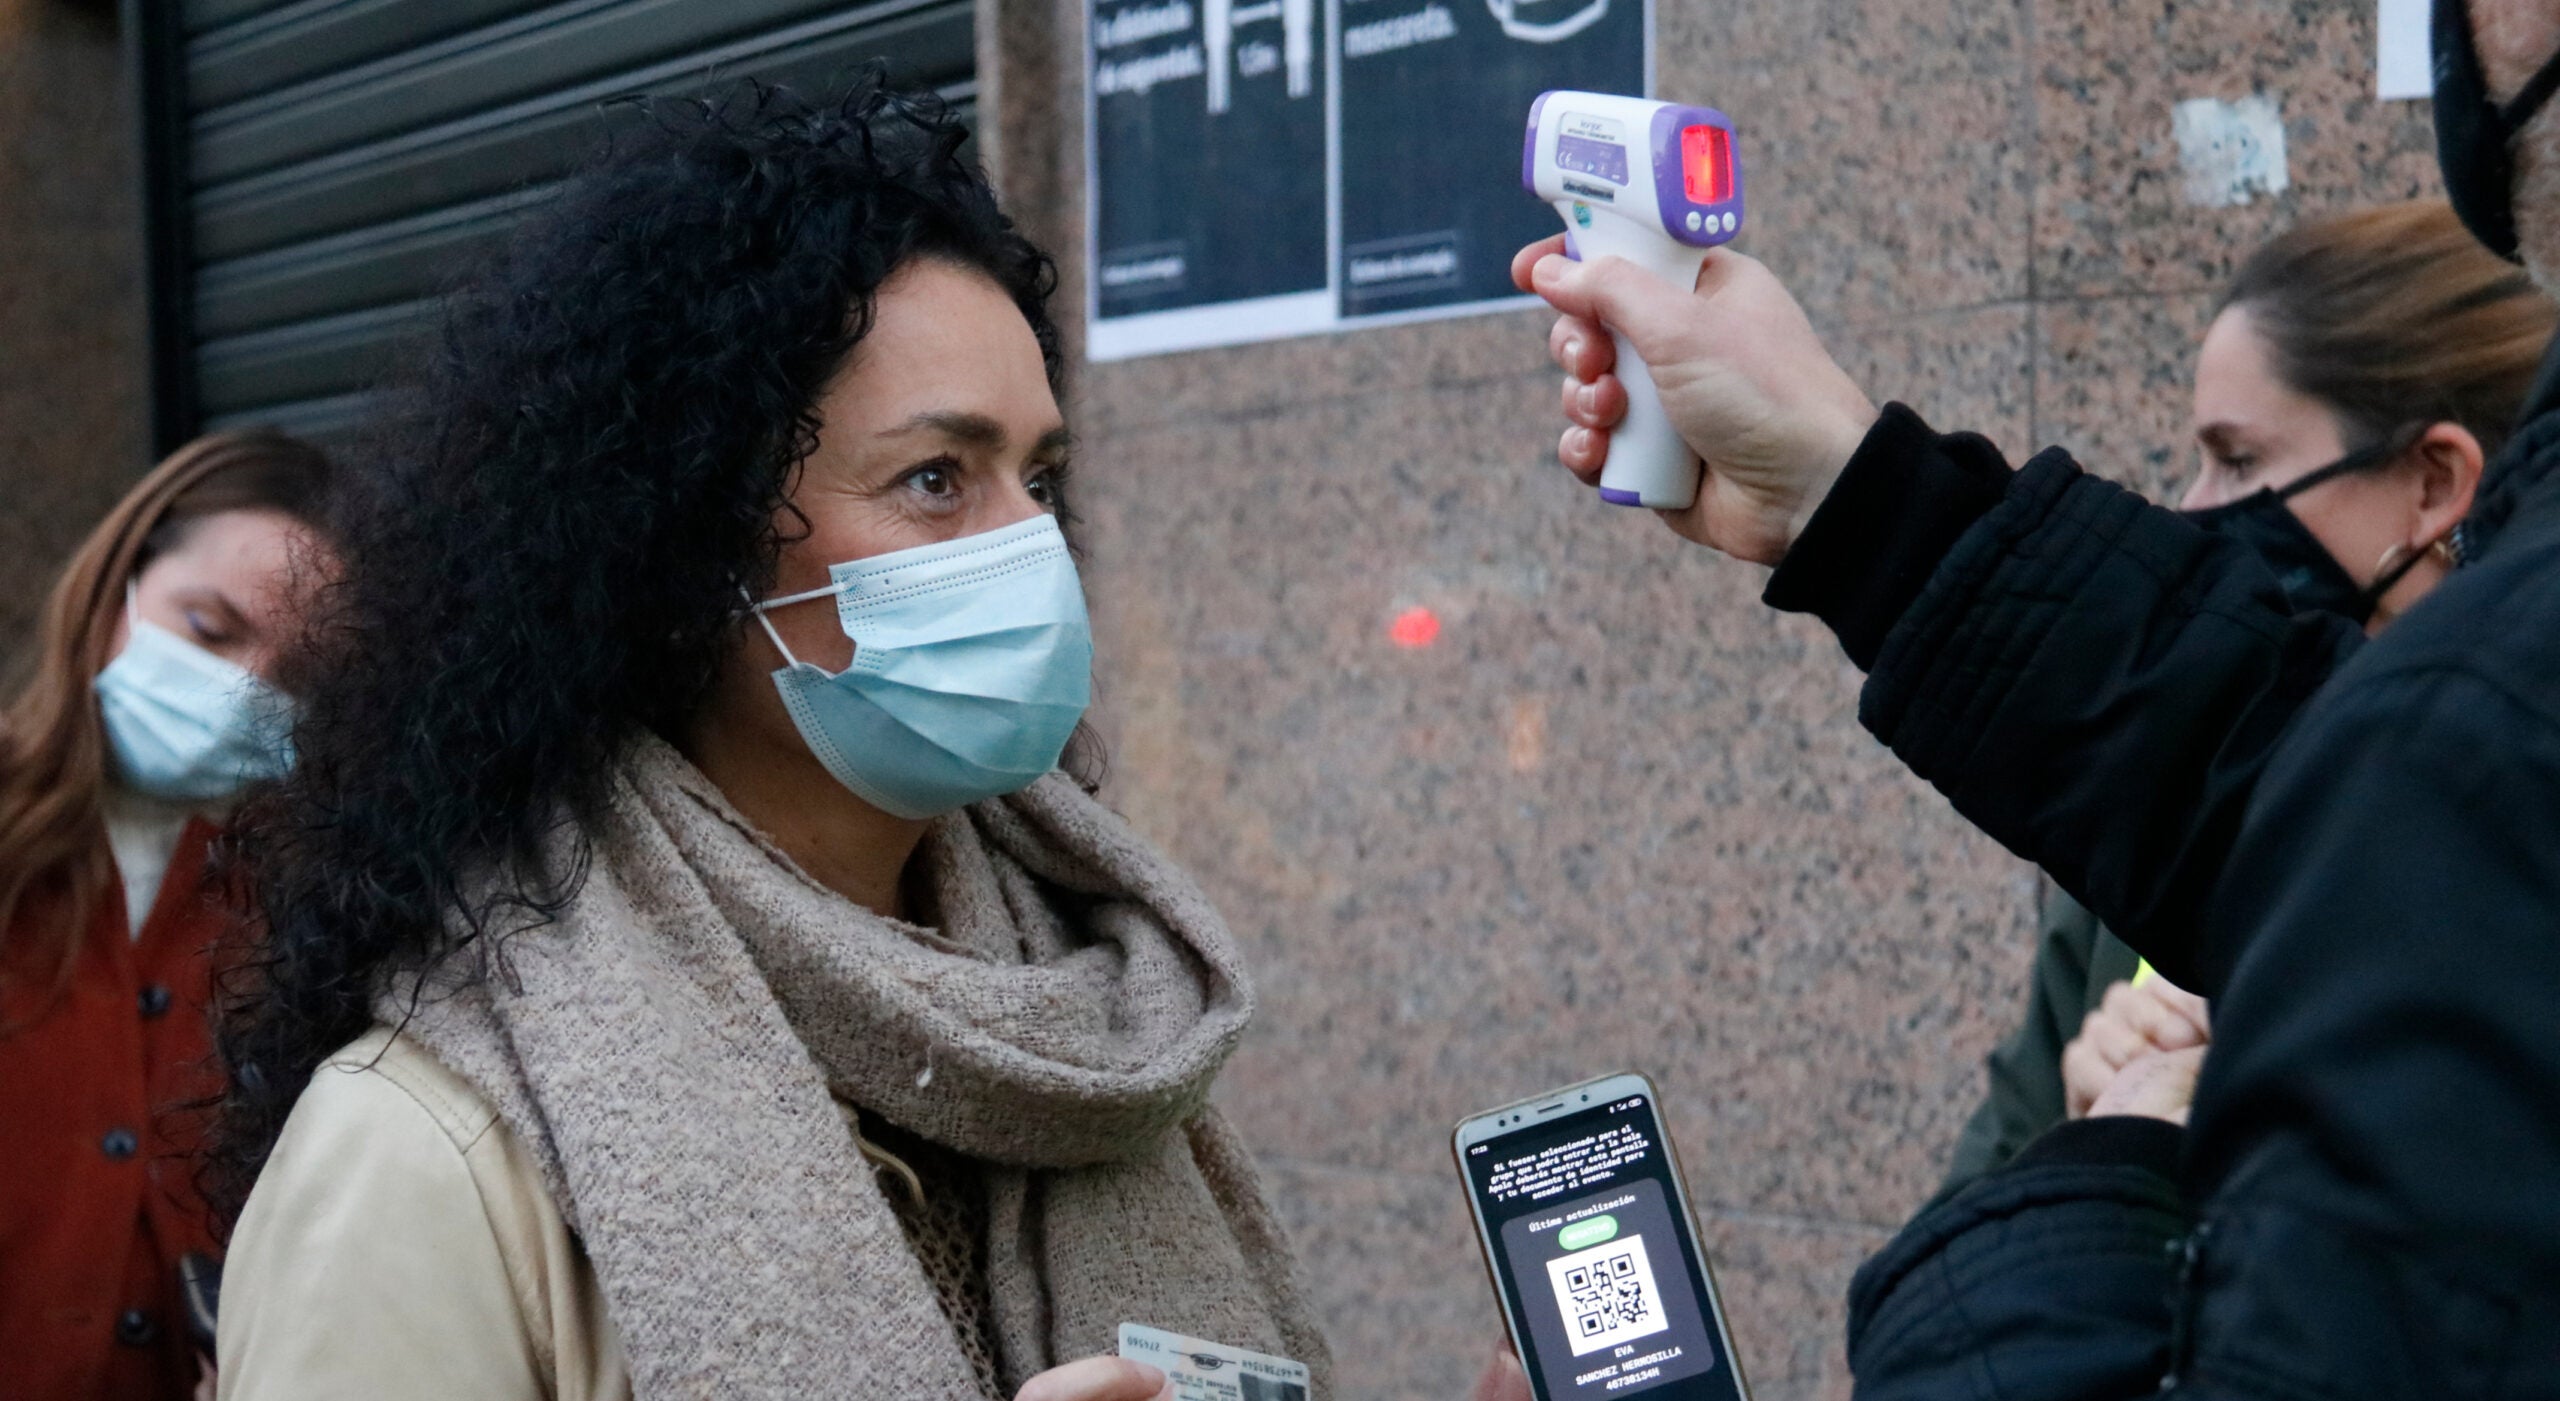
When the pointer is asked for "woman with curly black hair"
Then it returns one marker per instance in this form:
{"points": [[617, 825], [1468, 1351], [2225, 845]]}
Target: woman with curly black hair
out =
{"points": [[688, 972]]}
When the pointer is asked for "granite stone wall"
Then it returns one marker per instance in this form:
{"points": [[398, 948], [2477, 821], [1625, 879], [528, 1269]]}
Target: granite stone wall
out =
{"points": [[74, 416], [1619, 814]]}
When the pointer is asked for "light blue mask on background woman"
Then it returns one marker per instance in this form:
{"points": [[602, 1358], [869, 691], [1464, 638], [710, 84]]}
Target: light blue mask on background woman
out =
{"points": [[188, 726], [972, 664]]}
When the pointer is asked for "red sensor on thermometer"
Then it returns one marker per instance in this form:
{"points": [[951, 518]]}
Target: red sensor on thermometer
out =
{"points": [[1706, 164]]}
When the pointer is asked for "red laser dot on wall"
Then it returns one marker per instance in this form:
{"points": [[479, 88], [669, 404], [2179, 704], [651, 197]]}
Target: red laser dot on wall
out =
{"points": [[1414, 627]]}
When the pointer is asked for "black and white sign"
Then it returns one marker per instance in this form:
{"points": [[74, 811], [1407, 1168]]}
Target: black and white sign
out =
{"points": [[1268, 168], [1435, 96], [1208, 170]]}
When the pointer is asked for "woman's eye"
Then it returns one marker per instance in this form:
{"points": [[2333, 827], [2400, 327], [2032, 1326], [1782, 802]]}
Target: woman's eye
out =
{"points": [[203, 627], [934, 479], [1044, 489]]}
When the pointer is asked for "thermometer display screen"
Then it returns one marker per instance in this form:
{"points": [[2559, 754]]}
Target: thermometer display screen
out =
{"points": [[1706, 164]]}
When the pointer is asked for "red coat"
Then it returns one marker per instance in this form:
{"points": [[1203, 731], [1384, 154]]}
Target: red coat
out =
{"points": [[97, 1195]]}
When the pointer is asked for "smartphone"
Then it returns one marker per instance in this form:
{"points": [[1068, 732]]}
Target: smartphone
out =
{"points": [[1592, 1247]]}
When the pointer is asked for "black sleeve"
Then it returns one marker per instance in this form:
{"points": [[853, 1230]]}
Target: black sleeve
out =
{"points": [[2023, 1075], [1906, 497], [2375, 1135], [2050, 1278], [2089, 678], [2378, 1127]]}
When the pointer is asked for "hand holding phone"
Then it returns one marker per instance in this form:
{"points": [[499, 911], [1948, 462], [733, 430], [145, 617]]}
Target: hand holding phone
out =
{"points": [[1592, 1247]]}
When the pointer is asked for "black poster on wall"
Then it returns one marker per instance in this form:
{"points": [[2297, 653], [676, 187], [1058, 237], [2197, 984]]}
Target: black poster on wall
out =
{"points": [[1435, 101], [1208, 154], [1264, 168]]}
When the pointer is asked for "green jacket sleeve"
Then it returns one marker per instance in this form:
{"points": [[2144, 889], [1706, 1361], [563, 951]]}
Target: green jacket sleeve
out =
{"points": [[2076, 961]]}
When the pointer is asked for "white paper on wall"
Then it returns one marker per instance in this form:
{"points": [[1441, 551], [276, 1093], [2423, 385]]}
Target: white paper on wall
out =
{"points": [[2231, 152], [2404, 65]]}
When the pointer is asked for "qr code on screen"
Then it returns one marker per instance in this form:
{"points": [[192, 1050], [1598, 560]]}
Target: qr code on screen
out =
{"points": [[1606, 1294]]}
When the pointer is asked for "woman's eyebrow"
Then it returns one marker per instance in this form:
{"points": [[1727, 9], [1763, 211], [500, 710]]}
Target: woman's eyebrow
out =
{"points": [[975, 430]]}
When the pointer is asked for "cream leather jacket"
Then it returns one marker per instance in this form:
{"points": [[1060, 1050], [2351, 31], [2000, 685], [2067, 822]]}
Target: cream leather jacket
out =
{"points": [[399, 1245]]}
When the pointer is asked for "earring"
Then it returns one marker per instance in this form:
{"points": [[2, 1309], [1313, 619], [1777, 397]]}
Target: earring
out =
{"points": [[2445, 553], [2392, 559]]}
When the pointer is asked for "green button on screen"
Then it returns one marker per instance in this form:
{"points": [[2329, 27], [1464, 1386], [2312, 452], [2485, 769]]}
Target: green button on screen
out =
{"points": [[1591, 1232]]}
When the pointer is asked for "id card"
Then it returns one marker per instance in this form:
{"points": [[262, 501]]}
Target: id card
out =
{"points": [[1205, 1371]]}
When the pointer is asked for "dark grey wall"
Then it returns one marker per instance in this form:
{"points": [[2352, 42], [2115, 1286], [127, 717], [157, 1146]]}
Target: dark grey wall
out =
{"points": [[73, 408]]}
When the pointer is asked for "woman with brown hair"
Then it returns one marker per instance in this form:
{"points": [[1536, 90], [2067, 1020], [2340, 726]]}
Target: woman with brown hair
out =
{"points": [[147, 712], [2357, 375]]}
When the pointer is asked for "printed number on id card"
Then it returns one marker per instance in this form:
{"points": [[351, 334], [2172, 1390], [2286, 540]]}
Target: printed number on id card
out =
{"points": [[1607, 1295]]}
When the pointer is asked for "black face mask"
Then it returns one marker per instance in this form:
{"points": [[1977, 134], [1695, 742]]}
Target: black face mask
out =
{"points": [[2474, 135], [2311, 577]]}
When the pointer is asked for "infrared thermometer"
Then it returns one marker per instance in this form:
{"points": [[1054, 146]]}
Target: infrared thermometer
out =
{"points": [[1657, 184]]}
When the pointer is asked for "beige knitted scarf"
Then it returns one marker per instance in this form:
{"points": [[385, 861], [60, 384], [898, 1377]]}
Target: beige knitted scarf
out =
{"points": [[672, 1049]]}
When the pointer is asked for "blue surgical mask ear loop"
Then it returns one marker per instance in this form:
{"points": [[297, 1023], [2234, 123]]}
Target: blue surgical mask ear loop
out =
{"points": [[804, 596]]}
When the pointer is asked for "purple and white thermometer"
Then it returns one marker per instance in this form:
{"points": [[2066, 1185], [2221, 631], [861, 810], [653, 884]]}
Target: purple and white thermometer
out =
{"points": [[1657, 184]]}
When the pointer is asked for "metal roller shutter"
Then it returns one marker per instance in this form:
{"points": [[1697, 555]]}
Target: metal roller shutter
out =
{"points": [[314, 168]]}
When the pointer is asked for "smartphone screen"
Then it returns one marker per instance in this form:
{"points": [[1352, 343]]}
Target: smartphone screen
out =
{"points": [[1607, 1292]]}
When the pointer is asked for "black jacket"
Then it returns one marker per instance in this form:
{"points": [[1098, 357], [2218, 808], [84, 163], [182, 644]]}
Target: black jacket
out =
{"points": [[2353, 848]]}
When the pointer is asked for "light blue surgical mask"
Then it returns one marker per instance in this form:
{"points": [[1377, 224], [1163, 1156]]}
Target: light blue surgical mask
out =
{"points": [[186, 725], [972, 663]]}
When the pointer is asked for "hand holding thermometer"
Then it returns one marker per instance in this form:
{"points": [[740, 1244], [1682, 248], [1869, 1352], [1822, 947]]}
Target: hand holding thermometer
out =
{"points": [[1657, 184]]}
